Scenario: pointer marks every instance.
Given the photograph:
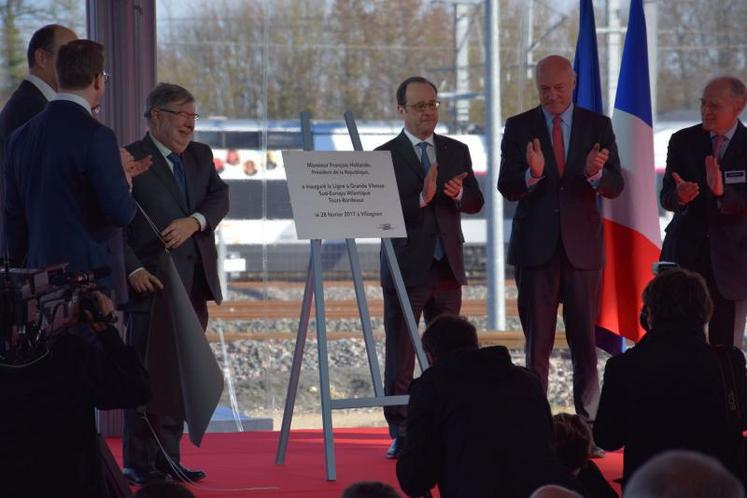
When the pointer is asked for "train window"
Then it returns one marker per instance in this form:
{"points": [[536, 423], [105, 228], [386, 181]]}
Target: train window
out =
{"points": [[242, 140], [284, 140], [211, 138]]}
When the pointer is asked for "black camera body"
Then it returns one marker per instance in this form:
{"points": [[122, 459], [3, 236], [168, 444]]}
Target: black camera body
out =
{"points": [[36, 304]]}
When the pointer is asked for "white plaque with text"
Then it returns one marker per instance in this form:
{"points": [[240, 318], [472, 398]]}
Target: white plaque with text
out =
{"points": [[344, 194]]}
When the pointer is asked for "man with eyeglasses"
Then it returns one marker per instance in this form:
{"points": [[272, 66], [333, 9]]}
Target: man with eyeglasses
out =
{"points": [[67, 186], [436, 184], [557, 159], [705, 185], [185, 200]]}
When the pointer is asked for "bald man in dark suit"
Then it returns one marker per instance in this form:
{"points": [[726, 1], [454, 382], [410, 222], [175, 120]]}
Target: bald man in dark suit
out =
{"points": [[557, 159], [705, 184]]}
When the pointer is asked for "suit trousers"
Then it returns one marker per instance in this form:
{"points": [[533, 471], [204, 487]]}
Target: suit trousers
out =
{"points": [[441, 293], [726, 326], [140, 449], [541, 290]]}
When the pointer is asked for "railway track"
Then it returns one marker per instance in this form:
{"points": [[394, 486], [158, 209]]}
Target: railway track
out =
{"points": [[334, 309]]}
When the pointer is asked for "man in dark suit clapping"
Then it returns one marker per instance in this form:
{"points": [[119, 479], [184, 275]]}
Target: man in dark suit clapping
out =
{"points": [[67, 188], [705, 184], [436, 184], [186, 200], [557, 159]]}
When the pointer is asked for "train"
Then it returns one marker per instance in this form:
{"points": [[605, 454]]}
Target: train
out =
{"points": [[258, 235]]}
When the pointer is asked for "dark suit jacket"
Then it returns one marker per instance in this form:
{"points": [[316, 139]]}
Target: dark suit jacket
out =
{"points": [[75, 377], [707, 223], [667, 393], [440, 216], [479, 427], [557, 208], [66, 191], [25, 103], [157, 192]]}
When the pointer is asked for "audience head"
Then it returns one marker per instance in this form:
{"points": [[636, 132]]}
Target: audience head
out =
{"points": [[554, 491], [447, 333], [677, 299], [683, 474], [418, 106], [555, 83], [170, 110], [232, 157], [250, 168], [80, 69], [370, 489], [163, 489], [42, 51], [572, 440], [723, 101]]}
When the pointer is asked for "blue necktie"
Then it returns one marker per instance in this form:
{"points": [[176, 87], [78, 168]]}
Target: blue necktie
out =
{"points": [[181, 180], [438, 251]]}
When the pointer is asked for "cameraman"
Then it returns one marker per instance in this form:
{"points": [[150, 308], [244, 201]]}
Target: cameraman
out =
{"points": [[39, 458]]}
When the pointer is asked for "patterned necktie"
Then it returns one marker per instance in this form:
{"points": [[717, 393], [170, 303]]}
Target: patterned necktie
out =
{"points": [[438, 251], [718, 141], [181, 180], [558, 147]]}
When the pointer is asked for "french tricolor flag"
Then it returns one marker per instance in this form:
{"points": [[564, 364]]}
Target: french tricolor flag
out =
{"points": [[631, 222]]}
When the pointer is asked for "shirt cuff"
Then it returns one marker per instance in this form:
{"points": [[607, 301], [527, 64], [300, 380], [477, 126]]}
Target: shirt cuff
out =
{"points": [[135, 271], [201, 220], [422, 202], [594, 179], [530, 180]]}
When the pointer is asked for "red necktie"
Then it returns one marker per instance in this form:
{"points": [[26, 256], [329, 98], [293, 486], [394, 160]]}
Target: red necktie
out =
{"points": [[717, 141], [558, 147]]}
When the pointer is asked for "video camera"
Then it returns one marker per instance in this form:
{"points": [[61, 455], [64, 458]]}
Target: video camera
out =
{"points": [[36, 304]]}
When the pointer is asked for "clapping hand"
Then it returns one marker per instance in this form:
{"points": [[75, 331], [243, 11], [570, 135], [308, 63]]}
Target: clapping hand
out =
{"points": [[595, 160], [686, 191], [714, 178], [429, 185], [454, 186], [535, 158], [131, 167]]}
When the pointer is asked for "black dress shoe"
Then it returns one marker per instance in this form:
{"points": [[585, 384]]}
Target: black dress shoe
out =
{"points": [[140, 477], [395, 448], [181, 473]]}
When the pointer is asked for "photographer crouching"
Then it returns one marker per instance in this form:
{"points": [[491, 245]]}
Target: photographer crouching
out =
{"points": [[49, 444]]}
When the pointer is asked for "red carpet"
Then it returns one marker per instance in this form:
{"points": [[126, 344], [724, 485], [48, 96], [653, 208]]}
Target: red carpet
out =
{"points": [[243, 464]]}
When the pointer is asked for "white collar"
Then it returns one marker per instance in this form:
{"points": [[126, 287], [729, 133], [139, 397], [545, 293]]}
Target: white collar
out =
{"points": [[415, 140], [74, 97], [165, 151], [42, 86]]}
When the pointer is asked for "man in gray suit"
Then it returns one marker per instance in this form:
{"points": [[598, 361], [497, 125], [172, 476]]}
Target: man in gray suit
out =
{"points": [[184, 197], [557, 159]]}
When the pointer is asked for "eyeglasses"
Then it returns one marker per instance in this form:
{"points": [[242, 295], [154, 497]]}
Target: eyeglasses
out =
{"points": [[106, 76], [420, 107], [183, 114]]}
